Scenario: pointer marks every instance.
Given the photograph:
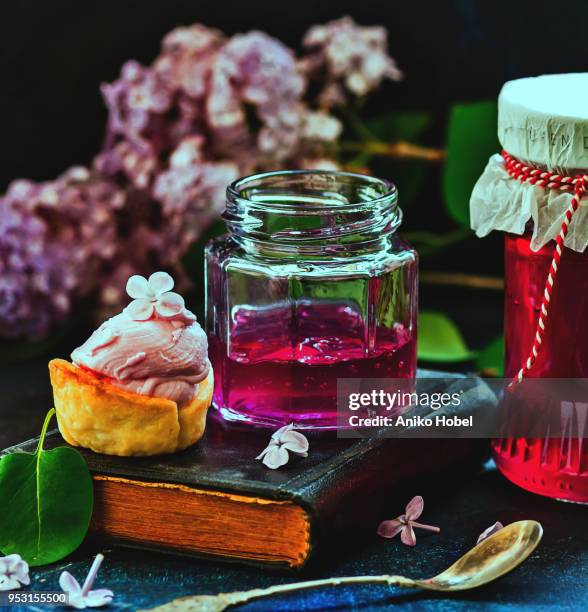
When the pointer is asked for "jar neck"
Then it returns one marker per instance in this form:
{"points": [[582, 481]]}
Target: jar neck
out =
{"points": [[311, 213]]}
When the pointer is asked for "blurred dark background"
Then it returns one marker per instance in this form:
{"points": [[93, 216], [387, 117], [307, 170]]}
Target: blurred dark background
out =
{"points": [[55, 54]]}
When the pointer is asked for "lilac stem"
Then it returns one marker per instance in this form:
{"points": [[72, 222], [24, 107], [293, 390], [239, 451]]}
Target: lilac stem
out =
{"points": [[427, 527], [89, 582]]}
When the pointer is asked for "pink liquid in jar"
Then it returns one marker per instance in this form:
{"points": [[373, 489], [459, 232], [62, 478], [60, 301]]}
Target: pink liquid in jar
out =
{"points": [[283, 362], [555, 467]]}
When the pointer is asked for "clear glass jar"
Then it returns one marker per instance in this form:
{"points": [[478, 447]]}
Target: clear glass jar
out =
{"points": [[310, 284]]}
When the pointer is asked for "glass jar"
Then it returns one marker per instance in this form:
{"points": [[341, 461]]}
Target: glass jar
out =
{"points": [[310, 284], [564, 352], [543, 129], [551, 465]]}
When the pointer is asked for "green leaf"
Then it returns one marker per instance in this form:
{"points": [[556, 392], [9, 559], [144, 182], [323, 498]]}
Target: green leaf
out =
{"points": [[491, 358], [401, 125], [430, 243], [407, 175], [471, 141], [46, 501], [440, 340]]}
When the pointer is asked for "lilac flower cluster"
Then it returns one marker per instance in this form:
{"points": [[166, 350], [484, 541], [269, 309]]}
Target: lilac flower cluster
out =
{"points": [[54, 238], [208, 110], [347, 58]]}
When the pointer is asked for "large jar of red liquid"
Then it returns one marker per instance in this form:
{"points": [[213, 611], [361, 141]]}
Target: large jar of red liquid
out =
{"points": [[310, 284], [543, 122]]}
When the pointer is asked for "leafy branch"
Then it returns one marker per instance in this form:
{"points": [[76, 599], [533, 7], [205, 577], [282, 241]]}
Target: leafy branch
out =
{"points": [[401, 149]]}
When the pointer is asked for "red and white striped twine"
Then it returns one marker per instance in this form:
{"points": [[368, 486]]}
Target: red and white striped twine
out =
{"points": [[549, 180]]}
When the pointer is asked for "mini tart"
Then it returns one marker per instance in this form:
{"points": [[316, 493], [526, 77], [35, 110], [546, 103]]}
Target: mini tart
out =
{"points": [[95, 414]]}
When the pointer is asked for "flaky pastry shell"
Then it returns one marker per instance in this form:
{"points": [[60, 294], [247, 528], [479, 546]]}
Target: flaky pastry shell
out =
{"points": [[95, 414]]}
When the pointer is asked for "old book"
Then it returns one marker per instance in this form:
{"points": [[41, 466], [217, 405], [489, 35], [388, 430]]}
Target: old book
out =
{"points": [[215, 500]]}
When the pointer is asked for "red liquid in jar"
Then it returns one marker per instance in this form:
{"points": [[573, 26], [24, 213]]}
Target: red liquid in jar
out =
{"points": [[555, 467], [283, 362]]}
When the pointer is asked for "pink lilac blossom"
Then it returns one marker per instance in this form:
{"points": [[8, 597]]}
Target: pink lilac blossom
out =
{"points": [[149, 241], [138, 164], [190, 182], [82, 596], [490, 531], [54, 239], [405, 523], [28, 280], [208, 109], [320, 126], [282, 442], [153, 294], [132, 101], [186, 59], [348, 57], [14, 573], [257, 70]]}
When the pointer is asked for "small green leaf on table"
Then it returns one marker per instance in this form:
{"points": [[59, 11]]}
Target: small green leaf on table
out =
{"points": [[439, 340], [46, 501], [471, 140]]}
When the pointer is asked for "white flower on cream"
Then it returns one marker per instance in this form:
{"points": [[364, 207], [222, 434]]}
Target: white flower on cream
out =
{"points": [[14, 572], [276, 455], [152, 295]]}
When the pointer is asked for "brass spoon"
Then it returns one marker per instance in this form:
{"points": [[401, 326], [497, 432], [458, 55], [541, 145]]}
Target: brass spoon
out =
{"points": [[487, 561]]}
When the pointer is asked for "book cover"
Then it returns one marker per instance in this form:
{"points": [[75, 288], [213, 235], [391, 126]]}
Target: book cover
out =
{"points": [[216, 500]]}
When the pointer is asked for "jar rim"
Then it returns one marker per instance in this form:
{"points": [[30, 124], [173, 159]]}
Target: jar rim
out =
{"points": [[385, 191]]}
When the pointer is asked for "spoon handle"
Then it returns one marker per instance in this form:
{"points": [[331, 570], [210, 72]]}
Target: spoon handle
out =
{"points": [[241, 597]]}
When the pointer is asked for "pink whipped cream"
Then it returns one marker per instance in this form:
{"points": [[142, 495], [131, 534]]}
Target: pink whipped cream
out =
{"points": [[158, 356]]}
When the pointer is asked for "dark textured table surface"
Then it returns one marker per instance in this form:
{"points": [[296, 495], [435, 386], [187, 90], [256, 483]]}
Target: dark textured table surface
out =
{"points": [[554, 577]]}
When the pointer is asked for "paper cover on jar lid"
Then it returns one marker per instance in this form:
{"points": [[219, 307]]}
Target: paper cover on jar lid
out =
{"points": [[499, 202], [539, 124], [544, 120]]}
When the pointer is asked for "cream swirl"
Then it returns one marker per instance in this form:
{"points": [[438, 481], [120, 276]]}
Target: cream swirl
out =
{"points": [[159, 356]]}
